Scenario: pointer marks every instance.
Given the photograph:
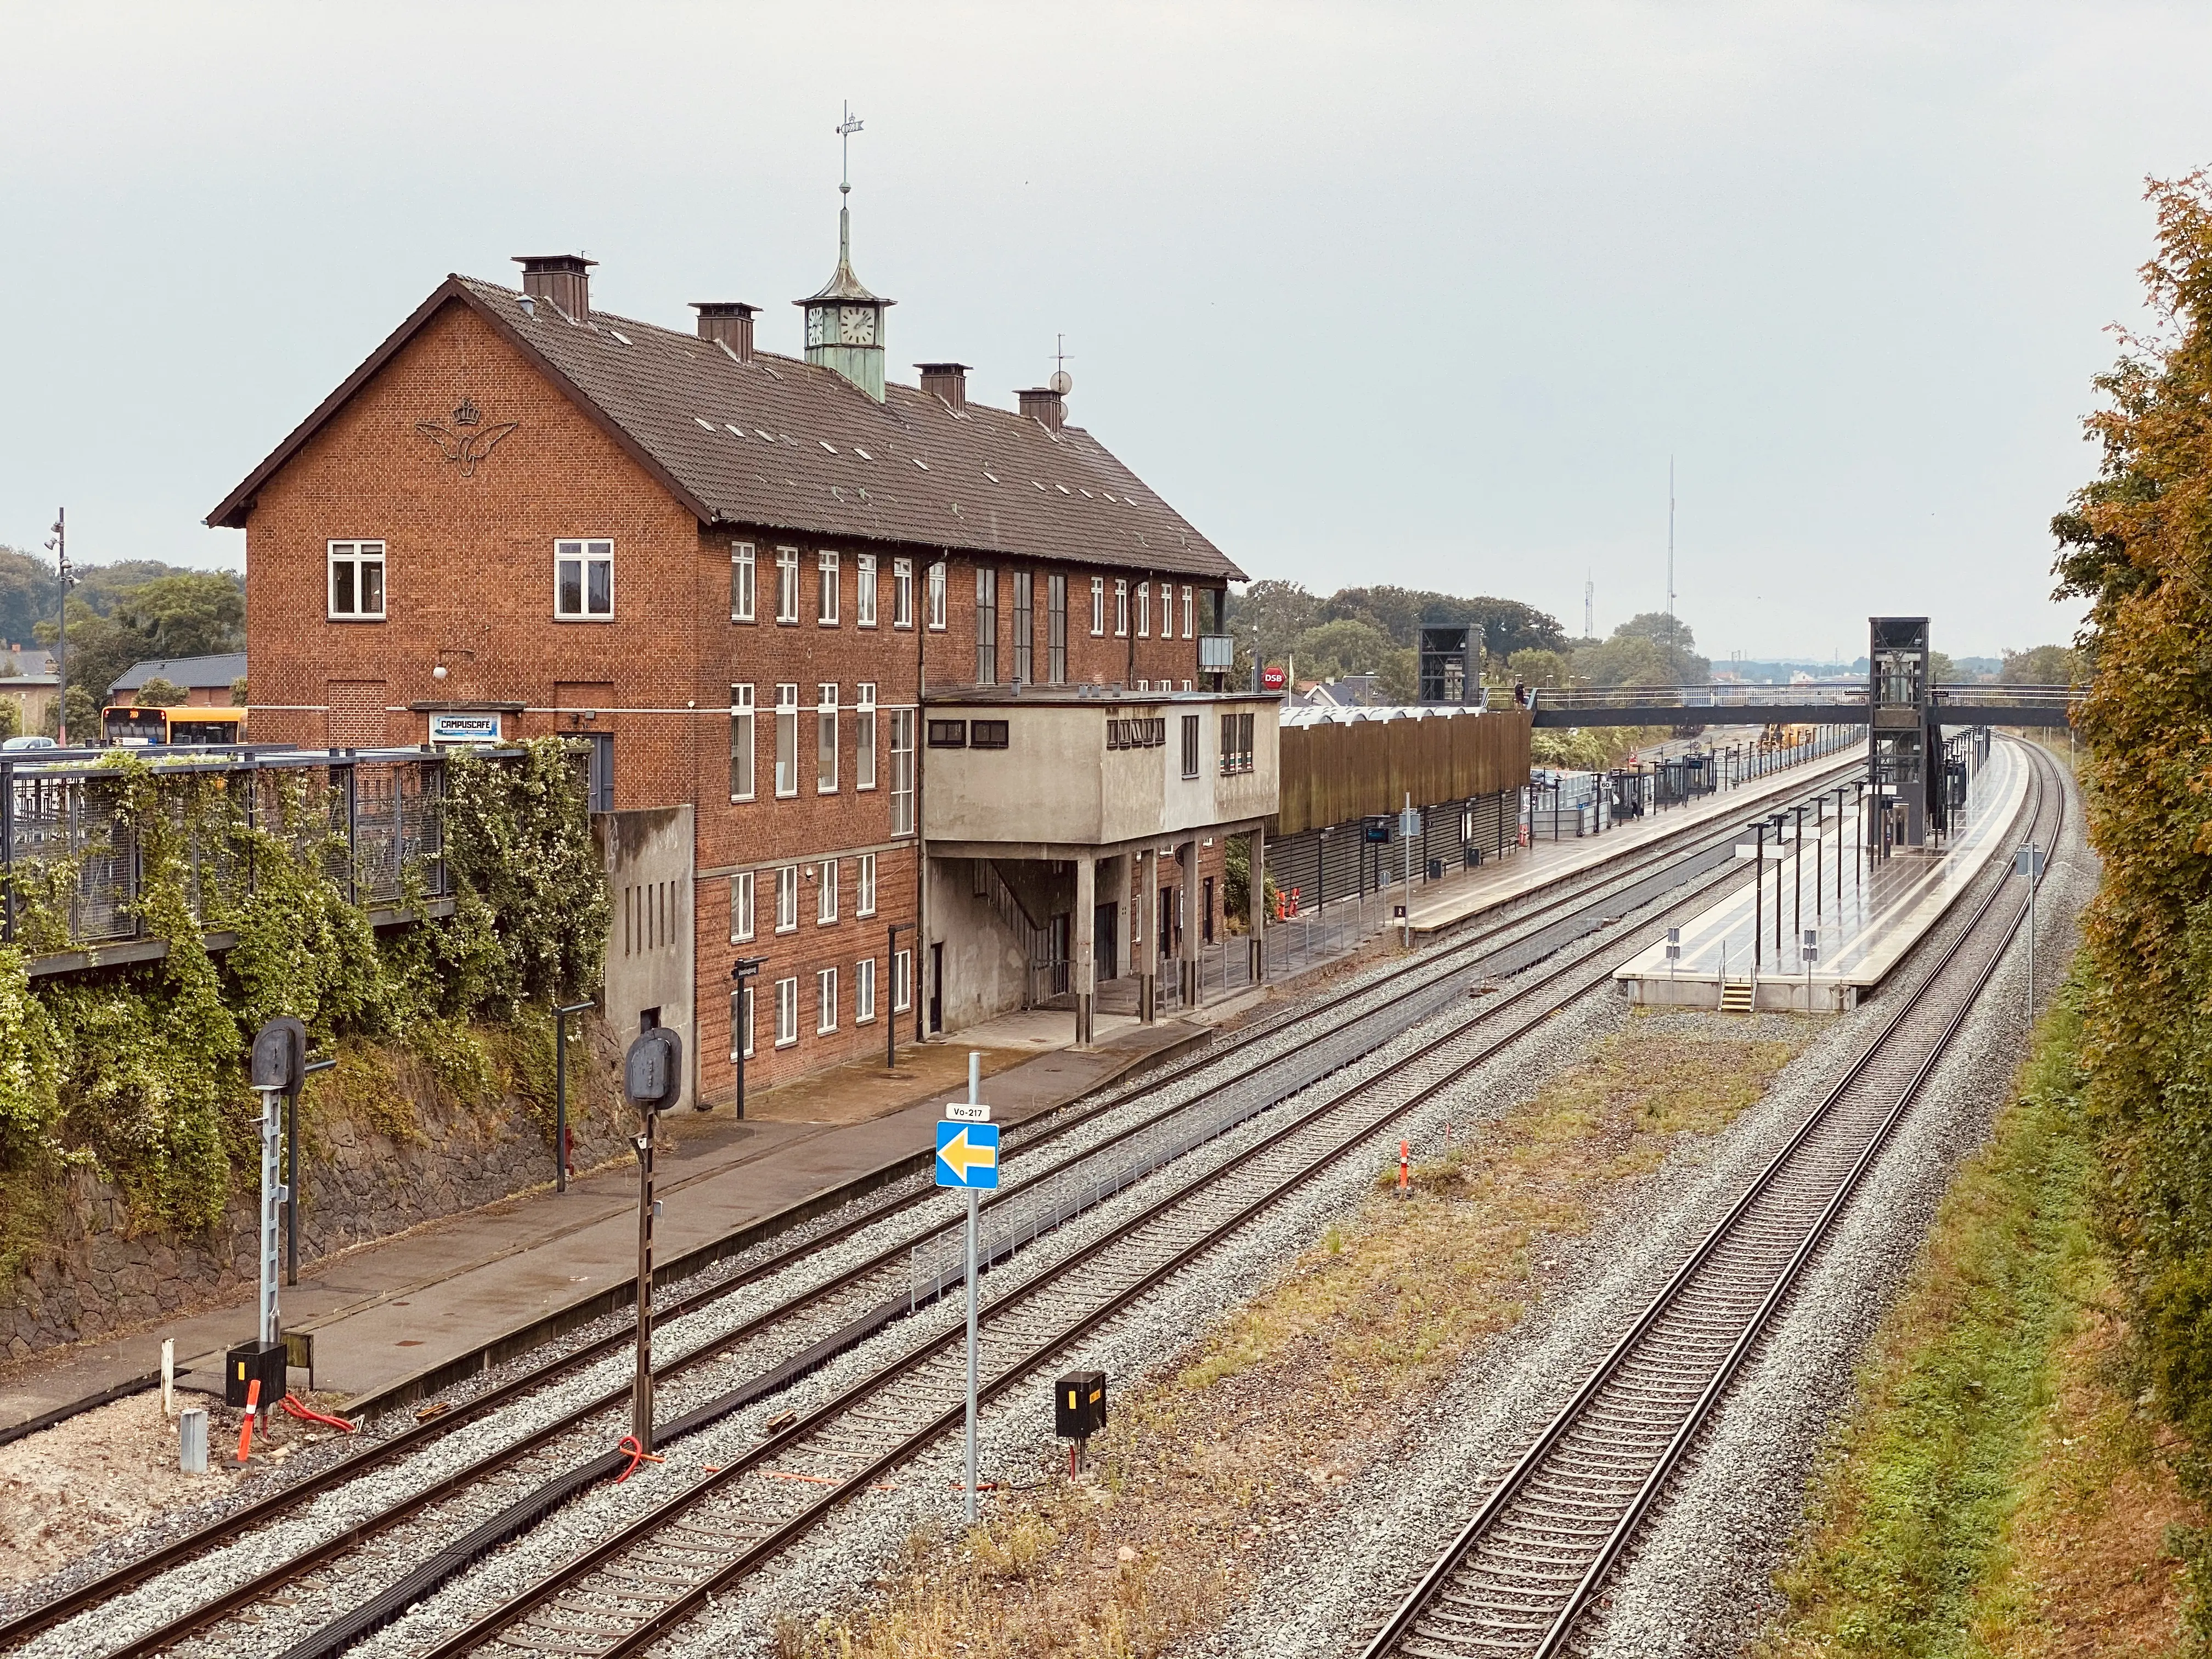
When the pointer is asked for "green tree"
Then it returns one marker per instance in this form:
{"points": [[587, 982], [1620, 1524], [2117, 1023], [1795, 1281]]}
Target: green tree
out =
{"points": [[1341, 647], [1546, 668], [11, 718], [158, 693], [192, 613], [1625, 659], [2039, 665], [1676, 645], [2136, 543], [29, 593], [1267, 617]]}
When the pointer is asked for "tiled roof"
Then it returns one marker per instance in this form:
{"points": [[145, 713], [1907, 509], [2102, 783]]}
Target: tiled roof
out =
{"points": [[29, 664], [782, 444], [188, 673]]}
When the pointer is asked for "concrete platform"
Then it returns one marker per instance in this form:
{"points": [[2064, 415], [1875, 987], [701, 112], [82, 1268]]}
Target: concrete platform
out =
{"points": [[1866, 921]]}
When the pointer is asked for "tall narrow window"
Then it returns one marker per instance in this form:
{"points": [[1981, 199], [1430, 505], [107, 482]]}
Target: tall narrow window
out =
{"points": [[864, 894], [741, 1022], [356, 581], [902, 592], [1097, 607], [986, 626], [825, 592], [584, 581], [741, 581], [787, 584], [826, 893], [787, 898], [825, 1001], [825, 738], [741, 906], [1143, 611], [1167, 610], [741, 743], [1056, 630], [1025, 629], [902, 771], [864, 738], [937, 594], [1185, 610], [786, 741], [1236, 743], [1120, 607], [1190, 746], [787, 1012], [864, 991], [864, 593], [902, 982]]}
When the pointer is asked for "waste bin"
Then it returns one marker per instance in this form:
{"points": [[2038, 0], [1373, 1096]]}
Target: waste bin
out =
{"points": [[1436, 869]]}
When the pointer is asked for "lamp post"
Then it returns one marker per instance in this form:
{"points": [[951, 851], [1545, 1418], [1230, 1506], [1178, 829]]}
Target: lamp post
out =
{"points": [[67, 574], [741, 973], [560, 1012]]}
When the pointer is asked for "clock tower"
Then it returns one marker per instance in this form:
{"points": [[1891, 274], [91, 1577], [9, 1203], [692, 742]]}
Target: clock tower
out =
{"points": [[844, 321]]}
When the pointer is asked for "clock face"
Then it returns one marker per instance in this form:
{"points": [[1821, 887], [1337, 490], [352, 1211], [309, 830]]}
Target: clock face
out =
{"points": [[856, 325], [817, 325]]}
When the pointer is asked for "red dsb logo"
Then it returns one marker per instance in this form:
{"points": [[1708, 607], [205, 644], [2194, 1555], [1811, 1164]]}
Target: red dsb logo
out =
{"points": [[1273, 679]]}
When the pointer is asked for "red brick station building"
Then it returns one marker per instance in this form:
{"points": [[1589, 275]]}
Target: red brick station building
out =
{"points": [[899, 692]]}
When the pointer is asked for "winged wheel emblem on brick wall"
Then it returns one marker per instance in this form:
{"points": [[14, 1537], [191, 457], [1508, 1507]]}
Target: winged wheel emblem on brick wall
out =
{"points": [[467, 441]]}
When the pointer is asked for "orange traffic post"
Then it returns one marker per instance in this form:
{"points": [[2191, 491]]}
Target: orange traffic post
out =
{"points": [[1405, 1169], [245, 1429]]}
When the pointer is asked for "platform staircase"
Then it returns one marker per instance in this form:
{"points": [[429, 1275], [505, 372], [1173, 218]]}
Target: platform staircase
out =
{"points": [[1738, 995]]}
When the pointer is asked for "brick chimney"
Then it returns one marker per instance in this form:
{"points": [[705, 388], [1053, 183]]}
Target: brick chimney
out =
{"points": [[730, 321], [946, 381], [1046, 404], [565, 279]]}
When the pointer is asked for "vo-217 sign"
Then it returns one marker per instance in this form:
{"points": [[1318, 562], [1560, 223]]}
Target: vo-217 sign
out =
{"points": [[968, 1156]]}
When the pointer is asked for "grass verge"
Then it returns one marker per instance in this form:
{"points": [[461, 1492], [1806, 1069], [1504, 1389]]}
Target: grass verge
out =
{"points": [[1996, 1490], [1206, 1475]]}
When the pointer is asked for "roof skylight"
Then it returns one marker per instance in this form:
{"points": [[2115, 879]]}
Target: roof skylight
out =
{"points": [[709, 425], [923, 465], [734, 431], [862, 453], [826, 445], [619, 335]]}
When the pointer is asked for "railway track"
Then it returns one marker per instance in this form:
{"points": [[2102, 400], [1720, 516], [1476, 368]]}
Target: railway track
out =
{"points": [[856, 1302], [1537, 1553]]}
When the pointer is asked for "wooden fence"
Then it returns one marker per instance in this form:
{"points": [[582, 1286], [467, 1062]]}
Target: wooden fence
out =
{"points": [[1333, 774]]}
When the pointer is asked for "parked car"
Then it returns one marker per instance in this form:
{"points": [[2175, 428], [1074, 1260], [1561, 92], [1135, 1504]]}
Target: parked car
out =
{"points": [[28, 742]]}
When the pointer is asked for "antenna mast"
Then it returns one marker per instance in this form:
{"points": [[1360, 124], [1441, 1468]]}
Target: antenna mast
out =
{"points": [[1670, 551], [1589, 607]]}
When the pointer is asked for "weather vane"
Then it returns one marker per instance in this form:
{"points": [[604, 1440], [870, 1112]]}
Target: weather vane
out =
{"points": [[845, 130]]}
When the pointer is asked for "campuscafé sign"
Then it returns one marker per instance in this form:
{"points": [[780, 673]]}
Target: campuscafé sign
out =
{"points": [[453, 726]]}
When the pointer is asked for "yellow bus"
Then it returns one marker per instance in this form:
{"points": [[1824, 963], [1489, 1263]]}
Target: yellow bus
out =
{"points": [[139, 728]]}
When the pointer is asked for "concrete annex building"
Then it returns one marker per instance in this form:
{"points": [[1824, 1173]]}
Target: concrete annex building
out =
{"points": [[850, 656]]}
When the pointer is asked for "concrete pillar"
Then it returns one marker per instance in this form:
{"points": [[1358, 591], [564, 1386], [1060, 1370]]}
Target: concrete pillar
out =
{"points": [[1187, 858], [1148, 918], [1257, 904], [1087, 928]]}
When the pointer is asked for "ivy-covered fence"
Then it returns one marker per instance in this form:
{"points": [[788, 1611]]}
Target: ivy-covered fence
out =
{"points": [[264, 882]]}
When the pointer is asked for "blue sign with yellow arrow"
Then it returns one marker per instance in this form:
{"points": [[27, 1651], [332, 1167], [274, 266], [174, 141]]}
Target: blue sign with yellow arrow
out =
{"points": [[967, 1155]]}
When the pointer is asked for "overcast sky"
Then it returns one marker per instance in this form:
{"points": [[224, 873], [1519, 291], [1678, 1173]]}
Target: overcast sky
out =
{"points": [[1423, 295]]}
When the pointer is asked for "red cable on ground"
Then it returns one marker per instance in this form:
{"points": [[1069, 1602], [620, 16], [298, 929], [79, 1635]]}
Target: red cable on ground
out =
{"points": [[293, 1404], [637, 1453]]}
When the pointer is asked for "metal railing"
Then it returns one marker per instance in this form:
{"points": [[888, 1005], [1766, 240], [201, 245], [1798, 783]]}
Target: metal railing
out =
{"points": [[379, 815], [1731, 695]]}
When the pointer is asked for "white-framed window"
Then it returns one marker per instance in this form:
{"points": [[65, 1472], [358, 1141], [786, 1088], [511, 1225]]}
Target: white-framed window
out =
{"points": [[786, 741], [787, 1012], [787, 584], [902, 771], [741, 742], [902, 982], [1186, 615], [1167, 610], [356, 588], [1120, 607], [825, 738], [1143, 611], [1097, 607], [1186, 685], [863, 895], [584, 581], [1144, 685], [1056, 630], [826, 893], [741, 906], [864, 737], [986, 626], [864, 593], [825, 592], [864, 991], [902, 592], [1024, 628], [825, 1001], [741, 581], [786, 899], [741, 1022], [937, 595]]}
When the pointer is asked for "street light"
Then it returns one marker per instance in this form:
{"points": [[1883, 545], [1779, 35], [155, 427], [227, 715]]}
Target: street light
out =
{"points": [[742, 970], [67, 574]]}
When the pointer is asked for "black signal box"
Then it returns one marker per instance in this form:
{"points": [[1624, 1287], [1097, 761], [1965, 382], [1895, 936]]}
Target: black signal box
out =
{"points": [[1078, 1409], [247, 1362]]}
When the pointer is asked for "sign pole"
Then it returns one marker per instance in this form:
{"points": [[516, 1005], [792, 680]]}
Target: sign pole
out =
{"points": [[640, 1393], [974, 1095]]}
